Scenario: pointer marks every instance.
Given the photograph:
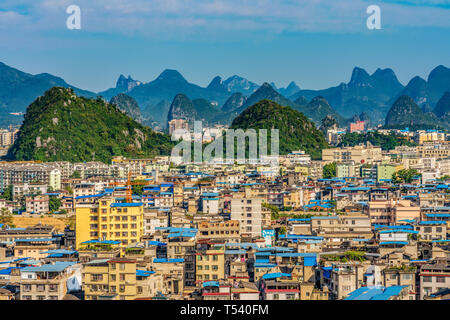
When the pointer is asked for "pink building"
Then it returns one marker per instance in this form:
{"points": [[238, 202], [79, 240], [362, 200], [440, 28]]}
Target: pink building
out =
{"points": [[357, 126]]}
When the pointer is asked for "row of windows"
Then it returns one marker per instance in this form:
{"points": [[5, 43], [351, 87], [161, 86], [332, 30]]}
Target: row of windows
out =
{"points": [[206, 258], [213, 267], [430, 279], [119, 234], [117, 226], [207, 277], [115, 218], [40, 297], [219, 232], [40, 287]]}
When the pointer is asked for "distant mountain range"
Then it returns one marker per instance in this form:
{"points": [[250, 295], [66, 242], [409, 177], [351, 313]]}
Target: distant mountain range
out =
{"points": [[222, 100], [19, 89]]}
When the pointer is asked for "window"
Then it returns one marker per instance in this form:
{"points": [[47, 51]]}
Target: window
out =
{"points": [[122, 266], [440, 279], [122, 277], [53, 287], [407, 277], [427, 279], [97, 277]]}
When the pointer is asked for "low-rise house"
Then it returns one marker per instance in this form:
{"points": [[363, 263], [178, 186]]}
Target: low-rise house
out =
{"points": [[110, 279], [434, 276], [45, 282]]}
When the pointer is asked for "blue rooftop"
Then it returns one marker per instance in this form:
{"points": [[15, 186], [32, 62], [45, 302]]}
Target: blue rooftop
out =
{"points": [[375, 293], [275, 275], [120, 205], [58, 266], [210, 284], [163, 260], [144, 273]]}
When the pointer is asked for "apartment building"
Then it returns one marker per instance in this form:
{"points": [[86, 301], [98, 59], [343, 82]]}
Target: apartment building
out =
{"points": [[223, 231], [110, 279], [353, 222], [34, 232], [343, 278], [249, 213], [210, 265], [432, 230], [20, 190], [209, 202], [401, 276], [434, 277], [45, 282], [392, 211], [108, 220], [37, 204], [357, 154], [34, 248]]}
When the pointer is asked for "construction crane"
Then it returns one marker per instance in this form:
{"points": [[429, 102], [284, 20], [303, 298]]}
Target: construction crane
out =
{"points": [[128, 185]]}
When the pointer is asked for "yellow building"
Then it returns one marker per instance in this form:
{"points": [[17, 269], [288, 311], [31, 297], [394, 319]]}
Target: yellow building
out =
{"points": [[113, 279], [105, 219], [211, 265], [293, 198], [304, 170]]}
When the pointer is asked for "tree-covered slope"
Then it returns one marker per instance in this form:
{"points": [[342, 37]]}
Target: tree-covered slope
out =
{"points": [[296, 132], [60, 126], [406, 113]]}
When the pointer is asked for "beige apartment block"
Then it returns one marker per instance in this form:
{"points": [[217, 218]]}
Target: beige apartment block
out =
{"points": [[357, 154], [392, 211]]}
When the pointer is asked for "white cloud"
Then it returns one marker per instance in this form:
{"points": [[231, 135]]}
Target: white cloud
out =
{"points": [[174, 18]]}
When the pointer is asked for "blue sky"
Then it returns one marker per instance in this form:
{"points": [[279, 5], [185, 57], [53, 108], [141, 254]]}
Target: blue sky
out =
{"points": [[315, 43]]}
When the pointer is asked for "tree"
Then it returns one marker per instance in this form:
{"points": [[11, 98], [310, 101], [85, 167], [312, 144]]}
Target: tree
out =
{"points": [[6, 217], [329, 170], [275, 213], [69, 190], [7, 193], [138, 189], [76, 175], [54, 204], [404, 175]]}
